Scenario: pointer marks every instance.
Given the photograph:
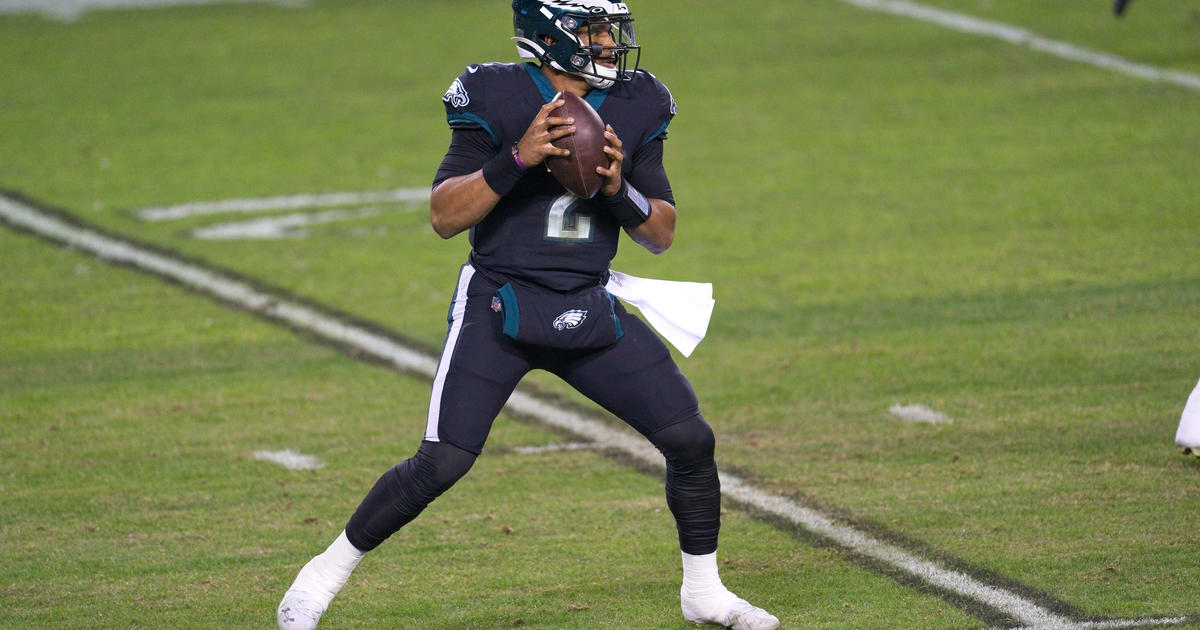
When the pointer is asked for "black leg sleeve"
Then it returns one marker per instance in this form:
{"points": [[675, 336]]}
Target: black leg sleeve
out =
{"points": [[693, 487], [404, 491]]}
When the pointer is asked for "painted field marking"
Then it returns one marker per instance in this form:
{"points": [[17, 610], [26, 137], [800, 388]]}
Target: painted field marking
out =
{"points": [[1114, 624], [348, 207], [283, 202], [292, 460], [283, 226], [1022, 37], [69, 10], [222, 287], [558, 448], [329, 327], [919, 413]]}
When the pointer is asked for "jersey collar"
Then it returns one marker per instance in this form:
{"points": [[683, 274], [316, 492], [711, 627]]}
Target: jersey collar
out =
{"points": [[594, 98]]}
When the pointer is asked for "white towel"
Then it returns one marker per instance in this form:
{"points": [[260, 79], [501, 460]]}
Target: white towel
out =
{"points": [[1188, 435], [679, 311]]}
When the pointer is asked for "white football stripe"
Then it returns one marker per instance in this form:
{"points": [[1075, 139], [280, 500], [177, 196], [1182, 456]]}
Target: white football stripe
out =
{"points": [[283, 226], [284, 202], [919, 413], [1022, 37], [457, 315], [557, 448], [1113, 624], [290, 459], [71, 9], [226, 289]]}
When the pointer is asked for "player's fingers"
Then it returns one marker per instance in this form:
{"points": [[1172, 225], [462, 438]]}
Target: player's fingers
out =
{"points": [[546, 109], [548, 149], [611, 135], [615, 155], [554, 133]]}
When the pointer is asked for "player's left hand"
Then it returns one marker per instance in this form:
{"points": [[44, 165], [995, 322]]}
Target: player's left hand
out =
{"points": [[612, 174]]}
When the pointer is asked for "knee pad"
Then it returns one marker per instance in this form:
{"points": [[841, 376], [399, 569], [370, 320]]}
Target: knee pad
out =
{"points": [[688, 442], [404, 491], [439, 465]]}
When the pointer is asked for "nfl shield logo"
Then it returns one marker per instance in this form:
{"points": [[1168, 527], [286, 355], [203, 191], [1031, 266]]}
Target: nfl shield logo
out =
{"points": [[496, 305]]}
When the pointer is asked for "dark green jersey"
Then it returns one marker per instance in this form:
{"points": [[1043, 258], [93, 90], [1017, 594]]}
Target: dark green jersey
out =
{"points": [[539, 232]]}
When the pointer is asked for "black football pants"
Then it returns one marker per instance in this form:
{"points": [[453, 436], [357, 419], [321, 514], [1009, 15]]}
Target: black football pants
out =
{"points": [[635, 379]]}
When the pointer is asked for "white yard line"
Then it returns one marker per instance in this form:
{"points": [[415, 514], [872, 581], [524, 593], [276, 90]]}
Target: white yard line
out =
{"points": [[292, 460], [284, 202], [69, 10], [558, 448], [234, 291], [282, 226], [1114, 624], [919, 413], [1022, 37], [306, 318]]}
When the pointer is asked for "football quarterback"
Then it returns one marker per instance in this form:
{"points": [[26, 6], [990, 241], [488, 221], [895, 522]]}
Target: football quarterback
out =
{"points": [[532, 293]]}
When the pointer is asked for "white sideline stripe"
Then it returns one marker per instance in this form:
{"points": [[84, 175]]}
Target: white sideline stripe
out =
{"points": [[299, 316], [1147, 622], [71, 9], [557, 448], [218, 286], [1022, 37], [285, 202], [919, 413], [290, 459]]}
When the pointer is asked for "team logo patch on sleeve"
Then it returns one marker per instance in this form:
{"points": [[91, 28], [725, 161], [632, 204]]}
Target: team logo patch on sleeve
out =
{"points": [[569, 319], [457, 95]]}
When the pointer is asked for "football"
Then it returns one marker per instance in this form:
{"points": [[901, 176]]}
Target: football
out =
{"points": [[577, 172]]}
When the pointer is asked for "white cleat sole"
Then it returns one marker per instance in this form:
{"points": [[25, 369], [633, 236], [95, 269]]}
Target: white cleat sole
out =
{"points": [[737, 614], [299, 611]]}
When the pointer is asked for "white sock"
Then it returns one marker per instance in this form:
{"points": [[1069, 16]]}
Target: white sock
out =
{"points": [[326, 573], [701, 578]]}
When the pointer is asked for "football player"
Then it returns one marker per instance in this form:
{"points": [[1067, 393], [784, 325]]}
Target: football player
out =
{"points": [[535, 243]]}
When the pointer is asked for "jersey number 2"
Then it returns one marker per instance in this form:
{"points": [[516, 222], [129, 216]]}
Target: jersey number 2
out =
{"points": [[566, 221]]}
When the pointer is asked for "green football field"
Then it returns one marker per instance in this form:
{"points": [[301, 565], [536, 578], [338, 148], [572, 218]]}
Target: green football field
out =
{"points": [[954, 250]]}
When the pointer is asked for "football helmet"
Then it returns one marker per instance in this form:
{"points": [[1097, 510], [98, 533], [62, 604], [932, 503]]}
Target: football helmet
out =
{"points": [[548, 30]]}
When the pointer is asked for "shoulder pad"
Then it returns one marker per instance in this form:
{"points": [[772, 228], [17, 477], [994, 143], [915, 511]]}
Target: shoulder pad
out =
{"points": [[647, 86], [466, 100]]}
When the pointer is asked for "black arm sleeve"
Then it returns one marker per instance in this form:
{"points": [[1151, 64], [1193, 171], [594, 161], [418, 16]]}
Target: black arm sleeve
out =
{"points": [[648, 174], [469, 149]]}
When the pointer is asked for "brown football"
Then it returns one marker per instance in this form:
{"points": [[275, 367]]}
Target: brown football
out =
{"points": [[577, 172]]}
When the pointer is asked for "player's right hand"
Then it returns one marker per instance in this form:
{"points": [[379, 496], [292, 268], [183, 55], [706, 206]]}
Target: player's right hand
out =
{"points": [[535, 146]]}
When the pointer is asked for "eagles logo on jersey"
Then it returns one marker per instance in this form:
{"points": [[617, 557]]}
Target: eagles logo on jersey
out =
{"points": [[570, 319], [457, 96]]}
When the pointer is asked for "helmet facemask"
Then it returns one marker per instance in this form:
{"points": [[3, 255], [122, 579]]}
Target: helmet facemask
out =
{"points": [[552, 35]]}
